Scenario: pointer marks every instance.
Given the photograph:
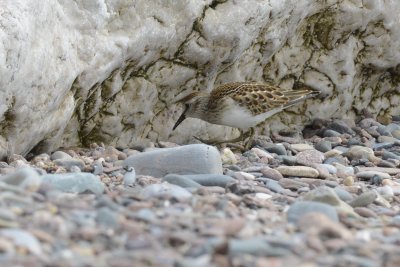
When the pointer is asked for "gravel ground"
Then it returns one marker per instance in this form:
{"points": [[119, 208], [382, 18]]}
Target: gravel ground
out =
{"points": [[329, 196]]}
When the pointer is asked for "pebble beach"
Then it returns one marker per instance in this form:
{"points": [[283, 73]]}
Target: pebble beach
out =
{"points": [[327, 196]]}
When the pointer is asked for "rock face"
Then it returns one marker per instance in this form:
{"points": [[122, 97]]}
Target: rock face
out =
{"points": [[76, 72]]}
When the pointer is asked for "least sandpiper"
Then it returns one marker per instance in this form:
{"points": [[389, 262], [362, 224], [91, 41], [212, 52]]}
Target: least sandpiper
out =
{"points": [[242, 105]]}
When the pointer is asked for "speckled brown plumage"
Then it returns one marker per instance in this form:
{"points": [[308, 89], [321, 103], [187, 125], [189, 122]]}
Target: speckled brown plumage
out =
{"points": [[258, 98]]}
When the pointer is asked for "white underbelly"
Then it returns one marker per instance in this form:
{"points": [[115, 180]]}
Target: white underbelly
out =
{"points": [[239, 117]]}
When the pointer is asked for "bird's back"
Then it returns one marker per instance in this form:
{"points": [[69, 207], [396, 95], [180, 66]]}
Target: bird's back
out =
{"points": [[258, 98]]}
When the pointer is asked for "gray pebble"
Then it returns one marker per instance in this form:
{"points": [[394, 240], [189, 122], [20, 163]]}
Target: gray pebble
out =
{"points": [[340, 127], [289, 160], [390, 155], [331, 169], [190, 159], [368, 175], [211, 179], [25, 178], [23, 239], [60, 155], [146, 215], [107, 217], [74, 182], [385, 145], [364, 199], [256, 246], [165, 190], [382, 130], [181, 180], [343, 194], [278, 149], [331, 133], [251, 156], [310, 157], [298, 209], [323, 146], [271, 173]]}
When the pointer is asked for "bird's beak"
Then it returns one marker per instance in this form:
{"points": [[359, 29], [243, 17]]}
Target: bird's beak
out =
{"points": [[181, 118]]}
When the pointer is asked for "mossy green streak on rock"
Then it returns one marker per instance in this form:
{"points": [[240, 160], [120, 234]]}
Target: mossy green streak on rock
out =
{"points": [[319, 28]]}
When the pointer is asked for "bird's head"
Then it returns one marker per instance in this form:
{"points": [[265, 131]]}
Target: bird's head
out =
{"points": [[194, 104]]}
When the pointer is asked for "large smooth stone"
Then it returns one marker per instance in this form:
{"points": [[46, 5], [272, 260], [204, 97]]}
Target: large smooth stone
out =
{"points": [[190, 159], [74, 182]]}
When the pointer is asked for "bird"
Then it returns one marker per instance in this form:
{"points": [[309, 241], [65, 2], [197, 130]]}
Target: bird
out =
{"points": [[241, 105]]}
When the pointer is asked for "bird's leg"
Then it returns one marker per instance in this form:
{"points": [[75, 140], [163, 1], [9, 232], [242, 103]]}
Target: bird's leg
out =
{"points": [[249, 135], [240, 138]]}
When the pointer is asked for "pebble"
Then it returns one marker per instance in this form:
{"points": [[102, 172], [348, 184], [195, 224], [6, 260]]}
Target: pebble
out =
{"points": [[271, 173], [340, 127], [105, 216], [256, 246], [386, 192], [301, 208], [23, 239], [319, 224], [348, 181], [360, 152], [25, 178], [331, 133], [365, 212], [323, 146], [298, 171], [165, 191], [211, 179], [181, 180], [228, 157], [364, 199], [291, 184], [343, 194], [74, 182], [261, 153], [289, 160], [301, 147], [189, 159], [278, 149], [368, 175], [390, 171], [327, 195], [309, 157], [60, 155]]}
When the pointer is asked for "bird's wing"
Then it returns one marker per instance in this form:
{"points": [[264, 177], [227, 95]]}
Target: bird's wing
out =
{"points": [[261, 98]]}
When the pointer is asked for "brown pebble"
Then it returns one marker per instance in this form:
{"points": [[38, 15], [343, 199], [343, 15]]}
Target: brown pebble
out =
{"points": [[365, 212]]}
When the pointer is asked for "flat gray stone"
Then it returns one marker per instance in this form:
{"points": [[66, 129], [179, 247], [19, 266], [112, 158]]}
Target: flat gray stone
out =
{"points": [[165, 190], [211, 179], [256, 246], [25, 178], [190, 159], [60, 155], [367, 175], [74, 182], [181, 180], [298, 209]]}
